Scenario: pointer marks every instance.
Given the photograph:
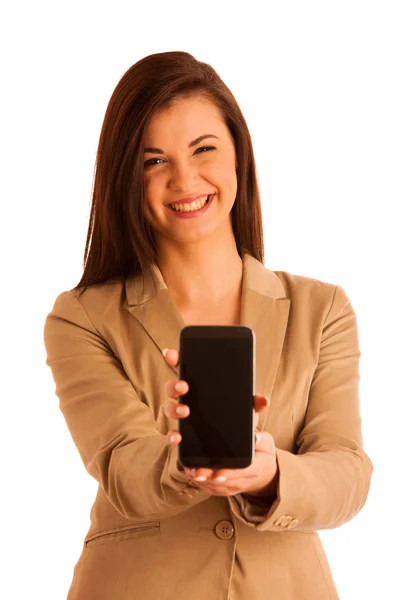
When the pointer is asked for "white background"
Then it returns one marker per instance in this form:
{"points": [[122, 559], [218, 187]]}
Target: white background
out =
{"points": [[318, 83]]}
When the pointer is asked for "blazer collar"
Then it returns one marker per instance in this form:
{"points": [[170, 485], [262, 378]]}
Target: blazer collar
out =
{"points": [[264, 308]]}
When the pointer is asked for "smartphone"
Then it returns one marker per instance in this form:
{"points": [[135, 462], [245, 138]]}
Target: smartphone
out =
{"points": [[218, 363]]}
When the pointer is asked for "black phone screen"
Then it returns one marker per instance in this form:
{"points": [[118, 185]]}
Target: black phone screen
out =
{"points": [[218, 364]]}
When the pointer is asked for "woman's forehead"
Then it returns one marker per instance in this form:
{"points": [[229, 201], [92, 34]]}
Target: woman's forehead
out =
{"points": [[193, 118]]}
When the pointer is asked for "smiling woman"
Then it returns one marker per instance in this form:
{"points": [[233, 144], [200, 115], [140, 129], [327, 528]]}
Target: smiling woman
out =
{"points": [[172, 132], [209, 174], [175, 237]]}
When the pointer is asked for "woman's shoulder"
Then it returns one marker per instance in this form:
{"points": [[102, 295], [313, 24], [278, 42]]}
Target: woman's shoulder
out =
{"points": [[311, 290], [96, 300], [294, 281]]}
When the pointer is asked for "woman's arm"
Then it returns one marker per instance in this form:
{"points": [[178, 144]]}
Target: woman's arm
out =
{"points": [[326, 483], [113, 430]]}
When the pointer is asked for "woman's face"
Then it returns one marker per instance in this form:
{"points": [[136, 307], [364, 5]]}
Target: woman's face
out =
{"points": [[175, 167]]}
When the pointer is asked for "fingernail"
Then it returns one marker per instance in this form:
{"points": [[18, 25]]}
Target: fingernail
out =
{"points": [[173, 438], [181, 387], [181, 410], [200, 478], [165, 352], [221, 478], [258, 438]]}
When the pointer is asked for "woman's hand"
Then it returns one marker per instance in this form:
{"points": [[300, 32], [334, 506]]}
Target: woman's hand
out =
{"points": [[258, 479]]}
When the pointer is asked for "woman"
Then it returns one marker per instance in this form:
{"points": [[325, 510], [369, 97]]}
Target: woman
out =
{"points": [[175, 238]]}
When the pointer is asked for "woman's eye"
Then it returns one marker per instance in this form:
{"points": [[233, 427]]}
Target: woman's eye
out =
{"points": [[206, 148], [150, 163]]}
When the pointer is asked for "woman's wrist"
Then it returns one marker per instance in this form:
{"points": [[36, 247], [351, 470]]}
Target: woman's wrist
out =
{"points": [[269, 493]]}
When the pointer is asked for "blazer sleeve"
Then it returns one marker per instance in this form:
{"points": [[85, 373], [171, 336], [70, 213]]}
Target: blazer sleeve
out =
{"points": [[327, 482], [112, 428]]}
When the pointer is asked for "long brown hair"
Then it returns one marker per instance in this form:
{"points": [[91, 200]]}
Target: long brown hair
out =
{"points": [[120, 242]]}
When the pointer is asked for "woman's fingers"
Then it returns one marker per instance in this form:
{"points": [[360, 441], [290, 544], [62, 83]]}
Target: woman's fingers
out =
{"points": [[172, 357], [174, 437], [175, 410], [175, 388], [260, 402]]}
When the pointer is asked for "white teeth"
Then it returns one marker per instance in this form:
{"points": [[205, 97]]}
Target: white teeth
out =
{"points": [[186, 207]]}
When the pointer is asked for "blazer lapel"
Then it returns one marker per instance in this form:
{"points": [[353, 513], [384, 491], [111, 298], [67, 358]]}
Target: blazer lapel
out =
{"points": [[264, 308]]}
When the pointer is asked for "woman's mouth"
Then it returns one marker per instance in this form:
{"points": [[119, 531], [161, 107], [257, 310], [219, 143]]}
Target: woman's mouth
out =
{"points": [[193, 209]]}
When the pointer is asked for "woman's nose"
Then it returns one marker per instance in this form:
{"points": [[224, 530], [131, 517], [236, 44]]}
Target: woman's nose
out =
{"points": [[183, 177]]}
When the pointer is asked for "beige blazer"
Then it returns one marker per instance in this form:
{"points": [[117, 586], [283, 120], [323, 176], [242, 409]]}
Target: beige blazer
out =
{"points": [[152, 535]]}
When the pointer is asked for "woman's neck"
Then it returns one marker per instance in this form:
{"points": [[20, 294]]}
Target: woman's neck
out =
{"points": [[201, 274]]}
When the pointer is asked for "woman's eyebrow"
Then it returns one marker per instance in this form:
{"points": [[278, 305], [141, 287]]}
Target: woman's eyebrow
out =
{"points": [[193, 143]]}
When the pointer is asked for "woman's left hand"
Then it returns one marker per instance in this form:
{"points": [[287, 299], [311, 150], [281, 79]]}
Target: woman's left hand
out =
{"points": [[258, 479]]}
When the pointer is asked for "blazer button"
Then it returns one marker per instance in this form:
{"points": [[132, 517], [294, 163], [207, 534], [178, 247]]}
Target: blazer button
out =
{"points": [[292, 524], [224, 530], [283, 521]]}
